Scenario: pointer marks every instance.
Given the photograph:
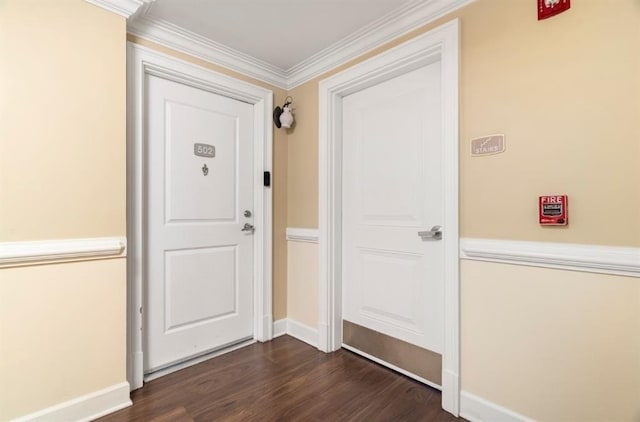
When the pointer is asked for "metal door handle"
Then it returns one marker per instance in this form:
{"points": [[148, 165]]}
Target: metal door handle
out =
{"points": [[248, 228], [435, 233]]}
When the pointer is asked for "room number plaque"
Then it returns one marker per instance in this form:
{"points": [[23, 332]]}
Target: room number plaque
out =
{"points": [[204, 150]]}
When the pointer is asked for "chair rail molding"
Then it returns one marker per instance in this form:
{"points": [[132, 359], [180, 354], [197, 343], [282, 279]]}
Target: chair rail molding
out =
{"points": [[14, 254], [295, 234], [124, 8], [615, 260]]}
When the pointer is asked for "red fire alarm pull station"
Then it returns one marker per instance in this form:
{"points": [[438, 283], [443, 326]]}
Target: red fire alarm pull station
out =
{"points": [[548, 8], [552, 210]]}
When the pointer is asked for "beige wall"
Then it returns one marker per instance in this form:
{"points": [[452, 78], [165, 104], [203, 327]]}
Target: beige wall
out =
{"points": [[278, 182], [302, 285], [62, 330], [62, 175], [303, 158], [62, 120], [566, 93], [552, 345]]}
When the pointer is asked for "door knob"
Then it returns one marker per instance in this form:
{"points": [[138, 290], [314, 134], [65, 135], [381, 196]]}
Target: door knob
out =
{"points": [[435, 233], [248, 228]]}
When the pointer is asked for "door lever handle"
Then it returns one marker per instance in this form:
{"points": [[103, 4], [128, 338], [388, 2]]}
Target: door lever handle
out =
{"points": [[248, 228], [435, 233]]}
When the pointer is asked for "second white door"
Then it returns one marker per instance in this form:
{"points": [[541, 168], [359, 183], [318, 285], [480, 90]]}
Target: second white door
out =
{"points": [[199, 260], [392, 278]]}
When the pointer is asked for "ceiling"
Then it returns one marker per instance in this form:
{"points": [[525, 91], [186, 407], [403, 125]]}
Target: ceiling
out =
{"points": [[280, 32], [282, 42]]}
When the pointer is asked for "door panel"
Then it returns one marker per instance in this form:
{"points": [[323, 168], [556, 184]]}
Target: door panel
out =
{"points": [[199, 264], [191, 299], [380, 304], [392, 189], [387, 182], [185, 198]]}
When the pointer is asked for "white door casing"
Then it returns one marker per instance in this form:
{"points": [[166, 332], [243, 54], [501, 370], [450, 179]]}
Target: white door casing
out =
{"points": [[439, 44], [392, 279], [142, 62], [198, 295]]}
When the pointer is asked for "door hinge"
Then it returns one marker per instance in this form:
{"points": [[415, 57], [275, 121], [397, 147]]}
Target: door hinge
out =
{"points": [[267, 178]]}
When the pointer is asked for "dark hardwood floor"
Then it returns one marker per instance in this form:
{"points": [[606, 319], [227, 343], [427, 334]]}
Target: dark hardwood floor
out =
{"points": [[284, 380]]}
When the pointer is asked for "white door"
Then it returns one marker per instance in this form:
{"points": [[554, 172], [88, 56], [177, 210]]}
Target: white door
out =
{"points": [[393, 279], [199, 261]]}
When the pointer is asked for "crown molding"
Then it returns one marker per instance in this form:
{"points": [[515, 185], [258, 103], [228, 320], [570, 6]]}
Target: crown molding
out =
{"points": [[182, 40], [404, 19], [124, 8]]}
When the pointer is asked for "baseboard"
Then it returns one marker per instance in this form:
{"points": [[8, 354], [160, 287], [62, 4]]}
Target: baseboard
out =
{"points": [[297, 330], [84, 408], [302, 332], [477, 409], [280, 328]]}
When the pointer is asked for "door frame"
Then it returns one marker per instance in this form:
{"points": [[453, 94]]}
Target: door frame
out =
{"points": [[439, 44], [142, 61]]}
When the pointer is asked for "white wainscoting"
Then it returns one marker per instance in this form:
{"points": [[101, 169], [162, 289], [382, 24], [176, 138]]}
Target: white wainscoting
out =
{"points": [[61, 250], [297, 330], [565, 256], [85, 408]]}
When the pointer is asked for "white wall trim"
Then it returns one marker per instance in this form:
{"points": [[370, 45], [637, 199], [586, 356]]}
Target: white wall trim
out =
{"points": [[141, 62], [567, 256], [398, 22], [182, 40], [61, 250], [84, 408], [476, 409], [295, 234], [297, 330], [124, 8], [302, 332], [440, 44], [280, 327]]}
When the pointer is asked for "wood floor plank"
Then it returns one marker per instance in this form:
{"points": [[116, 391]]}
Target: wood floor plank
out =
{"points": [[284, 380]]}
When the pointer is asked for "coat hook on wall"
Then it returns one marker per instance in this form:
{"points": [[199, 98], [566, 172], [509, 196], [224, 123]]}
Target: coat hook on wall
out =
{"points": [[282, 116]]}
